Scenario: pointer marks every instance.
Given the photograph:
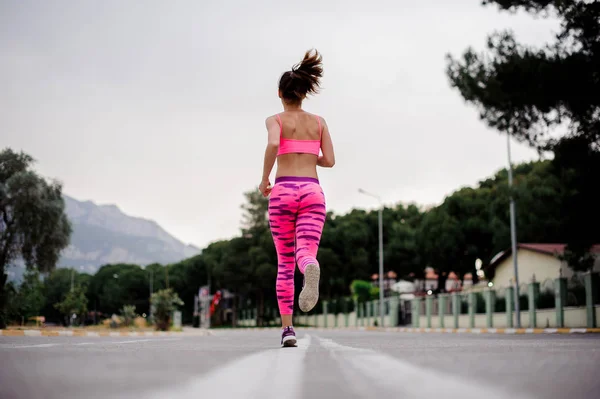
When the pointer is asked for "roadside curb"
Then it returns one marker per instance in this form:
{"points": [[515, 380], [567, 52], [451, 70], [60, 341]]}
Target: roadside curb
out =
{"points": [[444, 330], [491, 330], [67, 333]]}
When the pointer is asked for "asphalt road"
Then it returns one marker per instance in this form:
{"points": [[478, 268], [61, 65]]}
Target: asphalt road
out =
{"points": [[332, 364]]}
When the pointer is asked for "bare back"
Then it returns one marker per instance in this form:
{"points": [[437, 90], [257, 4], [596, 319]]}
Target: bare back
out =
{"points": [[298, 125]]}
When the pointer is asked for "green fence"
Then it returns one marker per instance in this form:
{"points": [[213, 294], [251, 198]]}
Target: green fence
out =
{"points": [[558, 303]]}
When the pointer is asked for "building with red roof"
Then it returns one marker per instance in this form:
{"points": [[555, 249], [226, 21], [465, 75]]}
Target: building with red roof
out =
{"points": [[535, 261]]}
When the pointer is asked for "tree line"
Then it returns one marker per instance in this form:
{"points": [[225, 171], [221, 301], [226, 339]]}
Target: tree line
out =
{"points": [[472, 223]]}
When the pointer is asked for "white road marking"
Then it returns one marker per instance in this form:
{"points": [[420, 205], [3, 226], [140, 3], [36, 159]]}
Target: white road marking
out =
{"points": [[19, 346], [368, 372], [269, 374], [135, 341], [131, 341], [28, 346]]}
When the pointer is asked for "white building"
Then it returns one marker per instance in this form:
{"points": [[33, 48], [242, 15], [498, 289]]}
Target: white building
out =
{"points": [[539, 261]]}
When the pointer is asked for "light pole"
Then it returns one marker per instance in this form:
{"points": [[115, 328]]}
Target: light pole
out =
{"points": [[360, 190], [150, 300], [513, 234]]}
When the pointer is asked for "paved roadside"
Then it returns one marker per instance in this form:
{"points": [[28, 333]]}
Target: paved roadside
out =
{"points": [[83, 333]]}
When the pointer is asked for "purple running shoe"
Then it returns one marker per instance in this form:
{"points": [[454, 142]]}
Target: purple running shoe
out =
{"points": [[288, 336]]}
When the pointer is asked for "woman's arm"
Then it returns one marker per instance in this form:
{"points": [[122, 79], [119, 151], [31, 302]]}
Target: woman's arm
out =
{"points": [[271, 150], [327, 160]]}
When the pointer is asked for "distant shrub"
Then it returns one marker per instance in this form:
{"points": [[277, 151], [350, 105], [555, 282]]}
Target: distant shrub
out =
{"points": [[128, 314], [361, 290], [164, 301], [140, 322]]}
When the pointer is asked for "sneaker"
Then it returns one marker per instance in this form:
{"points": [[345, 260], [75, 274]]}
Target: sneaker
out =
{"points": [[310, 290], [288, 337]]}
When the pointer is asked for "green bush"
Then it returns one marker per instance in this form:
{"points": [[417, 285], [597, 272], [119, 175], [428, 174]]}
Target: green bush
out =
{"points": [[75, 302], [361, 290], [374, 293], [128, 314], [165, 302]]}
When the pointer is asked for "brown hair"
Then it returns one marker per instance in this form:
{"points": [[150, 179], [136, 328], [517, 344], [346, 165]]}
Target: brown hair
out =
{"points": [[303, 79]]}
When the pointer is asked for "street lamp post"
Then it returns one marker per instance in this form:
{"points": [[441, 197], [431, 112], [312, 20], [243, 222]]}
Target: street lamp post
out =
{"points": [[380, 212], [513, 235], [151, 291]]}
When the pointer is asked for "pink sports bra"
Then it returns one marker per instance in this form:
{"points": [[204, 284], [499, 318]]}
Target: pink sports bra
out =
{"points": [[288, 146]]}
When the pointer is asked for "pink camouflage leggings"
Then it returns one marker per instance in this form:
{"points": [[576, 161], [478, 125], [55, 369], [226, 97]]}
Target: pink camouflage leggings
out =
{"points": [[296, 217]]}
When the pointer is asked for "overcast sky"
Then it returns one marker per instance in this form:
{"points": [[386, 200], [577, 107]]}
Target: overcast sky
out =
{"points": [[159, 106]]}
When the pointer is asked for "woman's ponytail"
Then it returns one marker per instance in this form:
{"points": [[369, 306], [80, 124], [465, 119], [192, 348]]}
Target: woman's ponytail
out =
{"points": [[303, 79]]}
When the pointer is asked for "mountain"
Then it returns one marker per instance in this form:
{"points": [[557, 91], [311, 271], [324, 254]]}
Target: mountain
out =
{"points": [[104, 234]]}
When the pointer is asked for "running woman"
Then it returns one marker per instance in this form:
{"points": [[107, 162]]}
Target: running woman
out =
{"points": [[297, 203]]}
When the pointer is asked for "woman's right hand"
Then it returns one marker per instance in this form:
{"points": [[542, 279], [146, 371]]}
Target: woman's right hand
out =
{"points": [[265, 188]]}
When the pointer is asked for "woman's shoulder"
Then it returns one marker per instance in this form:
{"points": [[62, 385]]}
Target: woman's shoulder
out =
{"points": [[278, 117], [272, 119], [320, 118], [316, 116]]}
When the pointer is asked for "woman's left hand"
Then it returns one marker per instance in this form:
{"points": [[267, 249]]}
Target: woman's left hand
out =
{"points": [[265, 188]]}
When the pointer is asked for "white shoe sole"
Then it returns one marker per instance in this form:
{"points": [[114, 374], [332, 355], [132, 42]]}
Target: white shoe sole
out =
{"points": [[289, 341], [309, 296]]}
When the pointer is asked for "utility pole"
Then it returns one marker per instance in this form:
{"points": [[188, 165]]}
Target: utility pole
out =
{"points": [[513, 235], [151, 290], [207, 303], [381, 288]]}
